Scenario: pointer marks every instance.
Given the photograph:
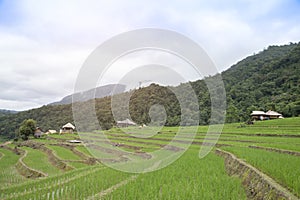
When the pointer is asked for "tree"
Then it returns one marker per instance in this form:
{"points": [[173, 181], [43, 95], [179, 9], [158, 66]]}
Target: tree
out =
{"points": [[232, 114], [27, 128]]}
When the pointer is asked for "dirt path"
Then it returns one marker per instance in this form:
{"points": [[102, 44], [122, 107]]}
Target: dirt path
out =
{"points": [[294, 153], [112, 188]]}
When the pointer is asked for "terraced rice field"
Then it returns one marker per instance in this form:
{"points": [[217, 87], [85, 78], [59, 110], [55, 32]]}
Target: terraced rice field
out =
{"points": [[270, 148]]}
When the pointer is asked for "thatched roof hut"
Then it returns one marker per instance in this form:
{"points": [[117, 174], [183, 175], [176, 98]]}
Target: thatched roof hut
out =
{"points": [[273, 115], [68, 128], [261, 115]]}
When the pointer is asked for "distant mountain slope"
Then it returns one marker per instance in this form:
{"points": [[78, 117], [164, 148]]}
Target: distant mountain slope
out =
{"points": [[99, 92], [267, 80], [8, 111], [4, 112]]}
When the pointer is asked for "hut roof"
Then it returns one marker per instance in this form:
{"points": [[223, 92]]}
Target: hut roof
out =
{"points": [[69, 125], [256, 112], [273, 113], [126, 121]]}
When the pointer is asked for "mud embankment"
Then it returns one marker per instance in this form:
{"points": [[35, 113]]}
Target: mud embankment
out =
{"points": [[53, 159], [257, 184], [294, 153], [26, 171]]}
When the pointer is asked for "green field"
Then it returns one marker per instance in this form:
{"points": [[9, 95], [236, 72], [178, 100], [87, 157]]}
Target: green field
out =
{"points": [[187, 178], [9, 174], [64, 153], [38, 160], [283, 168]]}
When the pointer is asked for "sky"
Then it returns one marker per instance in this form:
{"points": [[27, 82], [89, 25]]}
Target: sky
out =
{"points": [[44, 44]]}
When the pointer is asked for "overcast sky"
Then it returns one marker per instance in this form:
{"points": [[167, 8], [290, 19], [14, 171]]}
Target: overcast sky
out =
{"points": [[43, 44]]}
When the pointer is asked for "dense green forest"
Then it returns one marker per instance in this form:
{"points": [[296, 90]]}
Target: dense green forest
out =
{"points": [[269, 80], [265, 81], [6, 112]]}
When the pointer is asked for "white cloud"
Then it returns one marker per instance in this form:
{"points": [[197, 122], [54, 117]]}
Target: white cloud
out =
{"points": [[44, 43]]}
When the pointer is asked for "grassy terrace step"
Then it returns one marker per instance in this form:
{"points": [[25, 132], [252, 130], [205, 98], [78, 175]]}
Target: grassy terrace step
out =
{"points": [[79, 187], [291, 121], [283, 146], [294, 153], [8, 174], [38, 160], [31, 183], [77, 165], [258, 185], [47, 183], [67, 156], [233, 139], [131, 144], [283, 168], [187, 178], [27, 171], [158, 141], [64, 136], [84, 150], [223, 137], [64, 153]]}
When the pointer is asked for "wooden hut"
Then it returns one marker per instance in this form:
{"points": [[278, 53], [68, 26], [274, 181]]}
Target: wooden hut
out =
{"points": [[68, 128], [261, 115], [38, 132]]}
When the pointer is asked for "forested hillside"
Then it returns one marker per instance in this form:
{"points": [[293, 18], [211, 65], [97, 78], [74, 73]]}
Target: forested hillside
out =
{"points": [[267, 80], [6, 112]]}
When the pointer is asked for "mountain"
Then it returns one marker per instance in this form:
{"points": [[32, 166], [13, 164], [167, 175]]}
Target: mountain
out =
{"points": [[265, 81], [268, 80], [4, 112], [98, 92]]}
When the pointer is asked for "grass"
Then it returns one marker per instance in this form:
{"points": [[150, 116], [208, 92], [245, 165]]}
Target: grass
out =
{"points": [[187, 178], [77, 164], [283, 168], [287, 122], [81, 186], [64, 136], [83, 149], [8, 173], [49, 182], [63, 153], [286, 126], [39, 160]]}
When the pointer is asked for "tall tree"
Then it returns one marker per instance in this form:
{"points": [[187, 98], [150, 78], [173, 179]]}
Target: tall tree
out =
{"points": [[27, 128]]}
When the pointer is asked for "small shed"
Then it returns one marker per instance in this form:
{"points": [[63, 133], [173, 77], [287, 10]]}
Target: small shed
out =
{"points": [[68, 128], [38, 132], [125, 123]]}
